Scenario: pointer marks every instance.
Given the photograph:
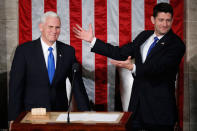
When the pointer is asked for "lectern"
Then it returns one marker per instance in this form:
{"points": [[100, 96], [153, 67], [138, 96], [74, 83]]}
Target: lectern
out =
{"points": [[51, 123]]}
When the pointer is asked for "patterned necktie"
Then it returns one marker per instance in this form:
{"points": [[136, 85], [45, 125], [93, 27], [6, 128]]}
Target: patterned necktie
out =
{"points": [[51, 65], [152, 45]]}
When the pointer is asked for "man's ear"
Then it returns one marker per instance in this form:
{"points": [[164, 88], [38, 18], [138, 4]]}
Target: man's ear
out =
{"points": [[153, 20], [41, 27]]}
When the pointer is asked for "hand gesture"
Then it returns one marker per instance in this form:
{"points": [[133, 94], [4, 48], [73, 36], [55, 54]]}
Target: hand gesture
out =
{"points": [[128, 64], [82, 34]]}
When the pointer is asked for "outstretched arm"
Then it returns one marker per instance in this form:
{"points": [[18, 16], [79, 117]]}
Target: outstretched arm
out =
{"points": [[82, 34]]}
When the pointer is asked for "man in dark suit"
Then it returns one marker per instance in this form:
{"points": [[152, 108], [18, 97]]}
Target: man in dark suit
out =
{"points": [[157, 55], [34, 82]]}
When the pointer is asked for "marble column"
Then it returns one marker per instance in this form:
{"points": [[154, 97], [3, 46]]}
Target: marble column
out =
{"points": [[190, 108], [8, 42]]}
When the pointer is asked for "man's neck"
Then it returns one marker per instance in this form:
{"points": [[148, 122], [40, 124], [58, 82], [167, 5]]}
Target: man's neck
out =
{"points": [[47, 42]]}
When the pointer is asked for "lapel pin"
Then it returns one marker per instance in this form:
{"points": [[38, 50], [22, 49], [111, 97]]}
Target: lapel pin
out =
{"points": [[60, 55], [162, 43]]}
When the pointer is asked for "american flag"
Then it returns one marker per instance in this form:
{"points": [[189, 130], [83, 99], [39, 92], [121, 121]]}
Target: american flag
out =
{"points": [[114, 21]]}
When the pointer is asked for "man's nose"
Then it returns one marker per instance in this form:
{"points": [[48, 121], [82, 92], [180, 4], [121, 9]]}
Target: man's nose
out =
{"points": [[54, 30], [165, 23]]}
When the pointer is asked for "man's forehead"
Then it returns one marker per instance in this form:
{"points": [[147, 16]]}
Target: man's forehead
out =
{"points": [[53, 21], [164, 15]]}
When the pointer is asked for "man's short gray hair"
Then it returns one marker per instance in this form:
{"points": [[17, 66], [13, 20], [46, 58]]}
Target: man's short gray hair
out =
{"points": [[49, 13]]}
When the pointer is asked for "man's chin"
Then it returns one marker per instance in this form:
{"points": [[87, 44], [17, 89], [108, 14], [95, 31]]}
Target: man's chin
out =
{"points": [[164, 32], [52, 41]]}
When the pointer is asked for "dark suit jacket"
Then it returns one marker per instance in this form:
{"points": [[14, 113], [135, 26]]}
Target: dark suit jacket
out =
{"points": [[153, 92], [29, 85]]}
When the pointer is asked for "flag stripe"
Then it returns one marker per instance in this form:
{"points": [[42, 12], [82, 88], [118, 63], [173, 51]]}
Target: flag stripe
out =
{"points": [[101, 61], [159, 1], [88, 61], [36, 14], [149, 4], [76, 18], [137, 17], [113, 22], [178, 28], [50, 5], [63, 12], [113, 38], [25, 21], [178, 17], [124, 22]]}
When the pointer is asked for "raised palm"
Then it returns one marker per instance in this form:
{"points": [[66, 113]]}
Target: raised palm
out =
{"points": [[82, 34]]}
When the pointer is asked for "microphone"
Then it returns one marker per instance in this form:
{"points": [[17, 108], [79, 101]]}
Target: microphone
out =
{"points": [[75, 68]]}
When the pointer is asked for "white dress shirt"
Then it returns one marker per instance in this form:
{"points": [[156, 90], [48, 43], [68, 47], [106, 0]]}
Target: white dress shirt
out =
{"points": [[45, 50]]}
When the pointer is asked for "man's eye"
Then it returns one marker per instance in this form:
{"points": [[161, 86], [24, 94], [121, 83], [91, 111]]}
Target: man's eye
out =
{"points": [[169, 20]]}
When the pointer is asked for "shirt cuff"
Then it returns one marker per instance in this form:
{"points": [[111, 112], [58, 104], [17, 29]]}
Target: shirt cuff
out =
{"points": [[134, 69], [93, 42]]}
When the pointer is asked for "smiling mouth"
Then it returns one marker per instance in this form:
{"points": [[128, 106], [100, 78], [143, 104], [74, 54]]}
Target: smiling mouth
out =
{"points": [[165, 28]]}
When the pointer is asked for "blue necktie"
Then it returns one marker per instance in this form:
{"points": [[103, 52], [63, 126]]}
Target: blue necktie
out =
{"points": [[51, 65], [152, 45]]}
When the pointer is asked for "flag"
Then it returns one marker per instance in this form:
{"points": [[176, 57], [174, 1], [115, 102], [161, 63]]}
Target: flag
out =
{"points": [[114, 21]]}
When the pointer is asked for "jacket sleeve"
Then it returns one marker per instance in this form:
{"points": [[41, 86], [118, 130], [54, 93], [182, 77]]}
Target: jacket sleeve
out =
{"points": [[16, 85], [114, 52]]}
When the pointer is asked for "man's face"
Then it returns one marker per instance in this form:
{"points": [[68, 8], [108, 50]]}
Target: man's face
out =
{"points": [[162, 23], [50, 30]]}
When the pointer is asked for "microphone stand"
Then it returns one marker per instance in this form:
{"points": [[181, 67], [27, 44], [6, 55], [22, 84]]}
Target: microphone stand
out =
{"points": [[71, 92]]}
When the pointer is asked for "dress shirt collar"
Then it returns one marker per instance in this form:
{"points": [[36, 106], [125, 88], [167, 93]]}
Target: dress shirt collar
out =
{"points": [[159, 37], [45, 46]]}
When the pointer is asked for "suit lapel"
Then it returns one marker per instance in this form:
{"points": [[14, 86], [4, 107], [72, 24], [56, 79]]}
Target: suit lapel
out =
{"points": [[143, 39], [40, 58], [159, 46]]}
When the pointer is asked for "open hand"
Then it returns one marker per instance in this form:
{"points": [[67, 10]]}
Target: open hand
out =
{"points": [[82, 34], [128, 64]]}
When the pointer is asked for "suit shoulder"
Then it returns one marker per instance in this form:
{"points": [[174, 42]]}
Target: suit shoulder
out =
{"points": [[65, 46], [145, 33], [28, 44], [178, 40], [143, 36]]}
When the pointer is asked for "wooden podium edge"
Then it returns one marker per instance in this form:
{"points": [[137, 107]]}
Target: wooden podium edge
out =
{"points": [[123, 123]]}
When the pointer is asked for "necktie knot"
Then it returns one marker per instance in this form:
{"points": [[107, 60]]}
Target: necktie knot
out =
{"points": [[156, 38], [50, 49]]}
